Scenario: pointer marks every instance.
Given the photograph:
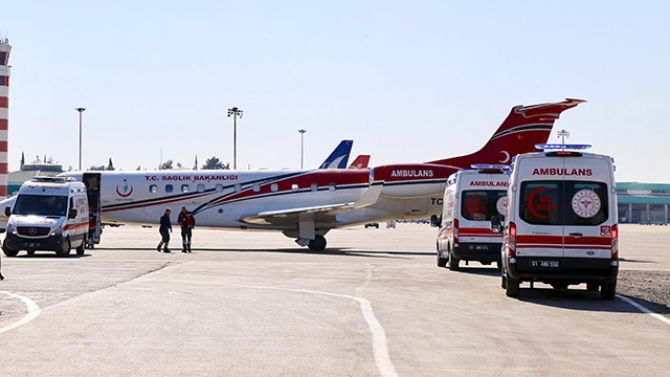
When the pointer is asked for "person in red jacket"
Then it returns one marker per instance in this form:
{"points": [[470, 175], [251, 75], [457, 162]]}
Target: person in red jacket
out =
{"points": [[187, 222]]}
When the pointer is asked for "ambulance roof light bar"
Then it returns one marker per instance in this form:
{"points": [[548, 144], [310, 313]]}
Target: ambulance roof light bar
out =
{"points": [[490, 166], [562, 146], [52, 179]]}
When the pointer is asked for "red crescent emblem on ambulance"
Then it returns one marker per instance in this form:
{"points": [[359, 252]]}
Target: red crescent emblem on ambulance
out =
{"points": [[531, 198]]}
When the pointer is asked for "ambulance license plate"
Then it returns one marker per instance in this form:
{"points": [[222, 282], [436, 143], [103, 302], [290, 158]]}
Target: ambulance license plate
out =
{"points": [[544, 264], [478, 247]]}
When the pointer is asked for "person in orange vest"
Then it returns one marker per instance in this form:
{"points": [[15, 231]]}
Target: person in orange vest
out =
{"points": [[187, 222]]}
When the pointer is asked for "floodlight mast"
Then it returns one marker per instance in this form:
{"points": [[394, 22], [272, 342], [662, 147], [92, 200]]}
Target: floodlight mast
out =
{"points": [[235, 112]]}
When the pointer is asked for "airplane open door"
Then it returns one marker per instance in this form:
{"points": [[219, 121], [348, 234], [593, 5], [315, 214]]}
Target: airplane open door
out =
{"points": [[92, 182]]}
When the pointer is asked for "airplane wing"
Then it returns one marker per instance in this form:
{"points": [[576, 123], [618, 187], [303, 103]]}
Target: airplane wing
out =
{"points": [[361, 162], [340, 156], [320, 214], [308, 219]]}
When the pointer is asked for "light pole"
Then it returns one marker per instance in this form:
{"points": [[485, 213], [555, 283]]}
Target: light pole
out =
{"points": [[302, 146], [235, 112], [81, 110], [563, 134]]}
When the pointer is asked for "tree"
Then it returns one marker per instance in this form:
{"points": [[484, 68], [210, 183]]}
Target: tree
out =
{"points": [[96, 168], [23, 160], [111, 165], [195, 167], [213, 164], [139, 167], [167, 165]]}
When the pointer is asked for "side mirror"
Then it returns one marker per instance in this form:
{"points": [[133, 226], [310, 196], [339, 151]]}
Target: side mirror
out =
{"points": [[8, 211], [435, 221], [496, 224], [72, 214]]}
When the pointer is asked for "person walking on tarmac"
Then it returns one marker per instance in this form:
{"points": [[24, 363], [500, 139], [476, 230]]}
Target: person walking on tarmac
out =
{"points": [[165, 230], [187, 222]]}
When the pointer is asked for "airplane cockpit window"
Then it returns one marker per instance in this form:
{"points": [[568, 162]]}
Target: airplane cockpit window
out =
{"points": [[153, 189], [169, 188], [185, 188]]}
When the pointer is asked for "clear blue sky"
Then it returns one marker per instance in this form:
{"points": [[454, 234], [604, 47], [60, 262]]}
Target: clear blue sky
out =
{"points": [[408, 81]]}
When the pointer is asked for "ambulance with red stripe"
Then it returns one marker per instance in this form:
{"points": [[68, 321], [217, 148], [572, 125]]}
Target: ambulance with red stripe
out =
{"points": [[49, 213], [561, 226], [471, 198]]}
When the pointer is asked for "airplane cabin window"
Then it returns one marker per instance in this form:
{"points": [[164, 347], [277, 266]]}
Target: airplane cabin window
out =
{"points": [[153, 189], [185, 188], [219, 187], [274, 187], [201, 188], [314, 187], [331, 187], [238, 187], [169, 188], [295, 187], [257, 187]]}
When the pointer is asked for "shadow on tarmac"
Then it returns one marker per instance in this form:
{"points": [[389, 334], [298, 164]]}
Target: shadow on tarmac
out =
{"points": [[582, 300], [47, 254]]}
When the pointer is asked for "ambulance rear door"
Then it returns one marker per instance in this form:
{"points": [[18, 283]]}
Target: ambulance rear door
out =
{"points": [[586, 211], [539, 227]]}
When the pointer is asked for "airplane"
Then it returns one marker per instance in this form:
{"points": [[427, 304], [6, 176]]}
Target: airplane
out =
{"points": [[305, 205], [361, 162]]}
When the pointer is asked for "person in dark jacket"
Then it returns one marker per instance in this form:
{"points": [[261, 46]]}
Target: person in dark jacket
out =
{"points": [[187, 222], [165, 230]]}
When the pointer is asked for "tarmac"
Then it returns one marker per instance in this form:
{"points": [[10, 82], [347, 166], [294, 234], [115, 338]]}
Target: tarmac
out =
{"points": [[256, 304]]}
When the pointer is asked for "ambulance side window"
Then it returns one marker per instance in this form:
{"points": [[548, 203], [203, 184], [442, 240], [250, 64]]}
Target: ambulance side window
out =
{"points": [[540, 202]]}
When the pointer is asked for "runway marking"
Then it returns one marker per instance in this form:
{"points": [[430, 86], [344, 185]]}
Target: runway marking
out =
{"points": [[379, 343], [644, 309], [33, 312]]}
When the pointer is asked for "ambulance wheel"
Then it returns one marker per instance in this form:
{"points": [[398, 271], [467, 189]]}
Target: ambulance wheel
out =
{"points": [[592, 287], [512, 289], [65, 248], [608, 291], [81, 249], [318, 243], [30, 252], [9, 252], [441, 262], [453, 262]]}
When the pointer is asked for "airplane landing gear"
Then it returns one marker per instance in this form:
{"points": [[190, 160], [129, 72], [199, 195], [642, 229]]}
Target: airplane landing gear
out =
{"points": [[318, 243]]}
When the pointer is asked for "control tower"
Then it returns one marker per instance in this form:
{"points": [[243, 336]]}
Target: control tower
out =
{"points": [[5, 70]]}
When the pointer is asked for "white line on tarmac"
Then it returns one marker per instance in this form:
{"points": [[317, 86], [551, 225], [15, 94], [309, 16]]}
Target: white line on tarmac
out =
{"points": [[379, 344], [33, 312], [644, 309]]}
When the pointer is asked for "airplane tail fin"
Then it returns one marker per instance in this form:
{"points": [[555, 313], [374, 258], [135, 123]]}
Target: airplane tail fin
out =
{"points": [[524, 127], [340, 156], [361, 162]]}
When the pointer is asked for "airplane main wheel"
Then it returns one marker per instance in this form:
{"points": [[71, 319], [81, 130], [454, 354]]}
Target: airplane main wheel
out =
{"points": [[318, 243]]}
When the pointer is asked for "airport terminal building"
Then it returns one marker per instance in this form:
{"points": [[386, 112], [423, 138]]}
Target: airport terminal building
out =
{"points": [[643, 203]]}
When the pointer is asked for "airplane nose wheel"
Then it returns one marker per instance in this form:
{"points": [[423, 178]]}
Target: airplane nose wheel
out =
{"points": [[318, 243]]}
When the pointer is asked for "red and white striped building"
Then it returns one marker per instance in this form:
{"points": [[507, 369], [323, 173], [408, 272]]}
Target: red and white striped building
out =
{"points": [[5, 49]]}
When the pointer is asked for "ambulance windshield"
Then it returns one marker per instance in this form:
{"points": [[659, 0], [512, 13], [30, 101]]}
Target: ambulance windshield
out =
{"points": [[40, 205], [481, 205], [563, 202]]}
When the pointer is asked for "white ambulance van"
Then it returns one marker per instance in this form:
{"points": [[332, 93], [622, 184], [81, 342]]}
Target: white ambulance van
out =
{"points": [[50, 213], [561, 226], [471, 199]]}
